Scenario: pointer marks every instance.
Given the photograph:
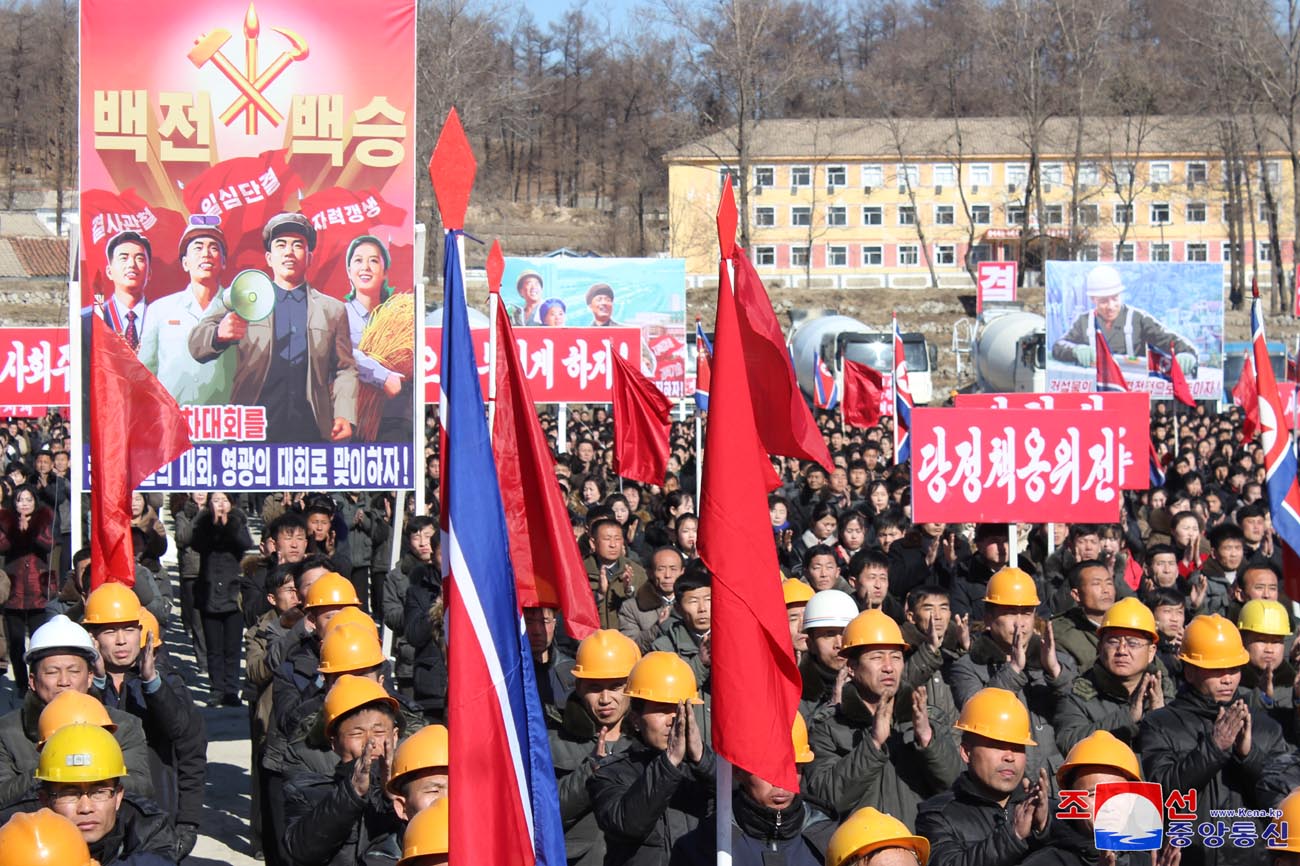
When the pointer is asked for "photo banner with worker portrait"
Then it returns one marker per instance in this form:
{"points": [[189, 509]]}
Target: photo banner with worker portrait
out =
{"points": [[649, 294], [247, 227], [1150, 313]]}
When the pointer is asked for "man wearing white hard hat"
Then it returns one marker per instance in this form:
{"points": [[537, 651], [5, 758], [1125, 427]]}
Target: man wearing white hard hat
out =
{"points": [[1128, 330], [824, 619]]}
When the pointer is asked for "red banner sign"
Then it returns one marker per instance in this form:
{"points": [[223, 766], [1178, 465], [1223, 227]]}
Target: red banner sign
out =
{"points": [[1128, 413], [37, 365], [1018, 464], [564, 365]]}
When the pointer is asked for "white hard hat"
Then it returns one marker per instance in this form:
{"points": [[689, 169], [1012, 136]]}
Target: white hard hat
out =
{"points": [[1103, 282], [60, 636], [830, 608]]}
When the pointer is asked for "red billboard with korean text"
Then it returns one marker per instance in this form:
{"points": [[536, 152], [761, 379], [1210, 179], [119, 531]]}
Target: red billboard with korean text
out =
{"points": [[35, 371], [1018, 464], [247, 226]]}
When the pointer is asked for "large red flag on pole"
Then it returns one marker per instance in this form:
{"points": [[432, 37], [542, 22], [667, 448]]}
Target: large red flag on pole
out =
{"points": [[642, 424], [548, 567], [1246, 395], [864, 388], [754, 678], [135, 428]]}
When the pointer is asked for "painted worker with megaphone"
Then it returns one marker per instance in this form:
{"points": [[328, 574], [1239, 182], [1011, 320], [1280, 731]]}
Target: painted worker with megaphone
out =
{"points": [[293, 351]]}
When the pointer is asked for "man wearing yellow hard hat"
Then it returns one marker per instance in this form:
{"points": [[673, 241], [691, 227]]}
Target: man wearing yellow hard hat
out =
{"points": [[1287, 827], [869, 837], [1269, 676], [1096, 759], [1210, 739]]}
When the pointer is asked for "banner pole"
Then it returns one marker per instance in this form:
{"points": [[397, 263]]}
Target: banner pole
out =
{"points": [[723, 800], [699, 459], [1013, 545], [395, 553], [493, 300], [77, 460], [1051, 538], [562, 428], [419, 413]]}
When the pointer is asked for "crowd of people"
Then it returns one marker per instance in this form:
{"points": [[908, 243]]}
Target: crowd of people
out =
{"points": [[956, 709]]}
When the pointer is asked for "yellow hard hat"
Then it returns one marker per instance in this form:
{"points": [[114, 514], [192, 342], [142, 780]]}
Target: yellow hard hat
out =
{"points": [[871, 628], [352, 692], [1101, 749], [606, 654], [424, 750], [1131, 614], [71, 708], [112, 604], [663, 677], [1213, 642], [796, 591], [1011, 587], [869, 830], [426, 835], [149, 626], [996, 714], [350, 616], [1264, 616], [350, 648], [1290, 818], [43, 838], [803, 753], [331, 589], [80, 753]]}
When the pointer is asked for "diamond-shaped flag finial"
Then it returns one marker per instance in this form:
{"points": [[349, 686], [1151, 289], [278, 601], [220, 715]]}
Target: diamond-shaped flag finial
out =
{"points": [[496, 266], [727, 219], [451, 169]]}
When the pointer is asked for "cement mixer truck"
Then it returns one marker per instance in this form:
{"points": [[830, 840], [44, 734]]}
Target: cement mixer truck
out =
{"points": [[832, 337], [1005, 348]]}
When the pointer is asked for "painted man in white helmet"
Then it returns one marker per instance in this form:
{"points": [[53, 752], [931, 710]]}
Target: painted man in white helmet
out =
{"points": [[1128, 330]]}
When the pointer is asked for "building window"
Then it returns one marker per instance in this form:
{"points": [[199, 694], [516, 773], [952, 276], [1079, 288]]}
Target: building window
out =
{"points": [[837, 256], [764, 177], [1089, 174], [838, 215], [908, 254], [1265, 252], [981, 214], [800, 216], [764, 256], [1089, 253], [1052, 172], [1196, 211], [1231, 251], [1198, 253], [1125, 173], [1015, 214], [727, 173], [1123, 214], [1265, 212], [1088, 215], [945, 174], [799, 257], [837, 175], [981, 253], [944, 215], [981, 174], [1230, 212], [800, 175], [1159, 213], [1160, 252], [909, 176], [1196, 173], [1054, 214], [945, 254], [764, 217], [873, 175], [873, 216], [1125, 253], [1161, 172], [906, 215], [1273, 172], [873, 255], [1017, 173]]}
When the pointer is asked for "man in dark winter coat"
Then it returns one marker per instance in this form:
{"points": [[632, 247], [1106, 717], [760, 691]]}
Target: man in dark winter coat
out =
{"points": [[423, 629]]}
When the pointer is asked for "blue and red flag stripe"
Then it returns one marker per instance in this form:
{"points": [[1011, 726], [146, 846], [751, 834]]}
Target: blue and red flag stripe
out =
{"points": [[703, 367], [1279, 450], [826, 392], [902, 401]]}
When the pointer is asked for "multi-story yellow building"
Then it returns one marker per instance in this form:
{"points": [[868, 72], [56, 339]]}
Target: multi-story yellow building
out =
{"points": [[869, 203]]}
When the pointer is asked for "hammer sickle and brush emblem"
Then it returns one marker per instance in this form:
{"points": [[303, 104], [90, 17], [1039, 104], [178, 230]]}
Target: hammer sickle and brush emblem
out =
{"points": [[251, 83]]}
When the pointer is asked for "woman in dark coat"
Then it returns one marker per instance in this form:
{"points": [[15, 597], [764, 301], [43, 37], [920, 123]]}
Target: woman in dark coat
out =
{"points": [[26, 537], [220, 538]]}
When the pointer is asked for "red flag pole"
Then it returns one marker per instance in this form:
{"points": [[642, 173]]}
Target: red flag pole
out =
{"points": [[727, 221]]}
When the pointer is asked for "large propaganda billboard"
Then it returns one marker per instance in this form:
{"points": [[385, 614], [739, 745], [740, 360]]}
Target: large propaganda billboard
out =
{"points": [[649, 294], [247, 223], [1172, 307]]}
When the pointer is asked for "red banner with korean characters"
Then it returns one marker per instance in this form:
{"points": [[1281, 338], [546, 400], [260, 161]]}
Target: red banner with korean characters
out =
{"points": [[35, 371], [994, 281], [1018, 464], [273, 142], [563, 365], [1128, 413]]}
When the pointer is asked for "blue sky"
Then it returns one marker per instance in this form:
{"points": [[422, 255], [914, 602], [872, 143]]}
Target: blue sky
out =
{"points": [[546, 11]]}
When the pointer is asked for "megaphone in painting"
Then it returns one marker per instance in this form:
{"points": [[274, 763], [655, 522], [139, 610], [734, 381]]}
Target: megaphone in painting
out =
{"points": [[251, 295]]}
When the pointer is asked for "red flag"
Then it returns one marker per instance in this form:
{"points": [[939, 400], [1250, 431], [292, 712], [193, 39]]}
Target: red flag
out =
{"points": [[135, 427], [1182, 393], [548, 568], [785, 424], [641, 425], [753, 659], [1246, 395], [864, 388], [1109, 376]]}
